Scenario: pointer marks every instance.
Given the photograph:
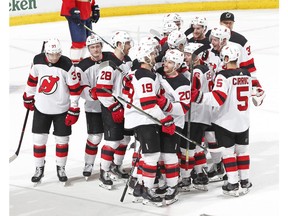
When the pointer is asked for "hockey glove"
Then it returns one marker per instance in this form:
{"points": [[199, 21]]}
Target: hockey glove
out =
{"points": [[196, 96], [29, 101], [168, 125], [117, 112], [164, 103], [72, 116], [258, 95], [95, 14], [75, 15], [93, 94]]}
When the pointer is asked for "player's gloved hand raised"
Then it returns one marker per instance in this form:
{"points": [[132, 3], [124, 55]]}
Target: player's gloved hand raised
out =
{"points": [[117, 112], [168, 125], [196, 96], [258, 95], [93, 94], [95, 14], [164, 103], [72, 116], [29, 101], [75, 15]]}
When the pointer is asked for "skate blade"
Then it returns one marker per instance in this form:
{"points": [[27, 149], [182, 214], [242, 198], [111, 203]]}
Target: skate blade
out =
{"points": [[185, 189], [244, 191], [148, 202], [201, 187], [36, 183], [231, 193], [64, 183], [107, 187], [137, 199], [169, 202], [215, 179]]}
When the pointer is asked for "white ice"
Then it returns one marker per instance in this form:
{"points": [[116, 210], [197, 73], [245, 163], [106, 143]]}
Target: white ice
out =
{"points": [[87, 198]]}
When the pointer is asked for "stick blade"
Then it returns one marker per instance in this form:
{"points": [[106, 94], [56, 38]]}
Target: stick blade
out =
{"points": [[12, 158]]}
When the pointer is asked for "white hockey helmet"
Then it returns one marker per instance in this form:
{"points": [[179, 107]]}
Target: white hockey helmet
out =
{"points": [[93, 39], [169, 26], [120, 36], [191, 47], [231, 51], [175, 38], [151, 41], [144, 53], [176, 56], [199, 20], [221, 32], [174, 17], [53, 46]]}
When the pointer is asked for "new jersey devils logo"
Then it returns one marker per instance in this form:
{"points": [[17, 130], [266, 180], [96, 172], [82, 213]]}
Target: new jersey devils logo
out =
{"points": [[48, 85]]}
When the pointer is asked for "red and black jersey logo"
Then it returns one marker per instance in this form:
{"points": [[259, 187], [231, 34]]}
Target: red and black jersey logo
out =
{"points": [[48, 85]]}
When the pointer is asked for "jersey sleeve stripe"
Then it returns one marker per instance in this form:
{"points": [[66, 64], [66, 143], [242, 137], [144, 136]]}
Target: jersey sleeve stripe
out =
{"points": [[148, 102], [249, 65], [101, 93], [219, 96], [75, 89], [32, 81]]}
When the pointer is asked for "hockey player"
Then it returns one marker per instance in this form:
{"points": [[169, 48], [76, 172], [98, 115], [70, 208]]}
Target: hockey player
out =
{"points": [[175, 102], [88, 71], [52, 91], [200, 121], [230, 119], [116, 138], [79, 13], [145, 86], [246, 59]]}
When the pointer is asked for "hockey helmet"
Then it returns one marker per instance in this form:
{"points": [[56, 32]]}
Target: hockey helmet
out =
{"points": [[176, 56], [144, 53], [93, 39], [120, 36], [169, 26], [221, 32], [231, 51], [53, 46], [175, 38]]}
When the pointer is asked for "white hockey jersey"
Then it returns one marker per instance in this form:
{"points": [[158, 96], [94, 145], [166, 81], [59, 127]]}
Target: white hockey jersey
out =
{"points": [[56, 86], [201, 113], [231, 99], [112, 79], [88, 71], [146, 85], [178, 92]]}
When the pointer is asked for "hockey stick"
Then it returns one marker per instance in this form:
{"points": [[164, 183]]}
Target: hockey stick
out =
{"points": [[89, 29], [13, 157], [191, 67], [153, 118], [156, 34], [130, 177]]}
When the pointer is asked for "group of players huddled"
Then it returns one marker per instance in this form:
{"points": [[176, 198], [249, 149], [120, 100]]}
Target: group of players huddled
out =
{"points": [[185, 98]]}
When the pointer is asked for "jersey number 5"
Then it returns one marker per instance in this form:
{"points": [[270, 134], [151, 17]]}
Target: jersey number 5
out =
{"points": [[242, 98]]}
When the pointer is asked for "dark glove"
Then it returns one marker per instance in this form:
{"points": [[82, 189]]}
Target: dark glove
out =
{"points": [[164, 103], [95, 14], [93, 94], [29, 101], [72, 116], [196, 96], [75, 15], [117, 112], [168, 125]]}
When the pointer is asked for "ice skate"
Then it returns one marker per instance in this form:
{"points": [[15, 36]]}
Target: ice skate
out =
{"points": [[117, 173], [161, 191], [38, 175], [105, 180], [201, 182], [149, 197], [87, 171], [61, 174], [132, 184], [216, 173], [171, 195], [185, 185], [245, 187], [231, 189], [137, 193]]}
